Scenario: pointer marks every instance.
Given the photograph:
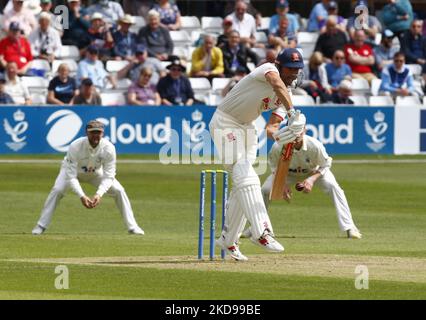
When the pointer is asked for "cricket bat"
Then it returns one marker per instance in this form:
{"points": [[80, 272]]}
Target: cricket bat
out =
{"points": [[281, 173]]}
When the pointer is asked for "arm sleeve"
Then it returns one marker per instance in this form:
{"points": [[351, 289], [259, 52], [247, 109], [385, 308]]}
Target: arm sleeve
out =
{"points": [[218, 69], [71, 172], [169, 42], [410, 83], [109, 168], [386, 83], [197, 61], [324, 161]]}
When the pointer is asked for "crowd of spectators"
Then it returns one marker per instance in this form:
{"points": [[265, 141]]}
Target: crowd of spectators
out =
{"points": [[369, 46]]}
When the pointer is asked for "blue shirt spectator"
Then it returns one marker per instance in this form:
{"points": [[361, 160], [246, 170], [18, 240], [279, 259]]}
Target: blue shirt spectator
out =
{"points": [[413, 44], [318, 13], [282, 9], [338, 70], [397, 79], [111, 10], [125, 41], [397, 15], [385, 52]]}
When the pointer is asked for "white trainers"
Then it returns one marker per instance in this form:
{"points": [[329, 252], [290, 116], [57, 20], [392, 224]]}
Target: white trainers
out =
{"points": [[233, 251], [268, 243], [38, 230], [137, 231], [354, 234]]}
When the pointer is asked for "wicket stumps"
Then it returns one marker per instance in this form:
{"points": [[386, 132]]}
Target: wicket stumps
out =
{"points": [[213, 174]]}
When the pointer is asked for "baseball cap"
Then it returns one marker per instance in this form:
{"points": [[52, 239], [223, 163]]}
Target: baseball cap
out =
{"points": [[14, 26], [140, 48], [87, 82], [95, 125], [387, 34], [282, 4], [290, 58], [332, 5]]}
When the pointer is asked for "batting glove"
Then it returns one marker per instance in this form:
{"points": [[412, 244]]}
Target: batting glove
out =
{"points": [[284, 136], [297, 122]]}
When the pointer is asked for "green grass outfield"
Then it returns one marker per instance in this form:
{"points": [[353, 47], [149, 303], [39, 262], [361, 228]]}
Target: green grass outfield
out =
{"points": [[387, 202]]}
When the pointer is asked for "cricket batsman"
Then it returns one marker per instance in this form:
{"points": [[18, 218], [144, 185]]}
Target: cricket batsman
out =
{"points": [[90, 159], [235, 137]]}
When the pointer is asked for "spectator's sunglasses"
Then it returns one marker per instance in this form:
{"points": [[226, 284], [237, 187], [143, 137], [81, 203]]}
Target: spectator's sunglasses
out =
{"points": [[339, 57]]}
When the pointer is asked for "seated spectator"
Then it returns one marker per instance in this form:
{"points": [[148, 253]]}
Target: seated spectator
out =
{"points": [[14, 87], [318, 14], [5, 98], [397, 16], [332, 11], [156, 38], [62, 88], [371, 26], [56, 20], [331, 40], [175, 88], [282, 9], [413, 45], [282, 38], [384, 53], [169, 14], [244, 23], [110, 10], [16, 48], [236, 55], [138, 7], [343, 93], [91, 67], [142, 92], [207, 60], [316, 82], [21, 15], [100, 36], [88, 94], [227, 29], [79, 22], [397, 79], [134, 68], [45, 40], [360, 57], [338, 70], [125, 40]]}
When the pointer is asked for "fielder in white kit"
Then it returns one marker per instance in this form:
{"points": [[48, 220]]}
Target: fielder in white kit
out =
{"points": [[90, 159], [235, 137], [309, 165]]}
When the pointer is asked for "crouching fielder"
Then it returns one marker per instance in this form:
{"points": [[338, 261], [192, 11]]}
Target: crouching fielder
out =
{"points": [[235, 137], [90, 159], [311, 165]]}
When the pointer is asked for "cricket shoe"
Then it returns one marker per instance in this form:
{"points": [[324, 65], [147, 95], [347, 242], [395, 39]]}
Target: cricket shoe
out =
{"points": [[38, 230], [137, 231], [233, 251], [354, 234], [267, 242]]}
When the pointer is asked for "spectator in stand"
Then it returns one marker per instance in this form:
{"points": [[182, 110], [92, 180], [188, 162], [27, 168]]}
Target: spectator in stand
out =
{"points": [[270, 56], [138, 7], [100, 36], [169, 14], [20, 15], [282, 38], [385, 52], [143, 92], [282, 9], [15, 87], [45, 40], [110, 10], [360, 57], [79, 23], [91, 67], [397, 16], [236, 55], [343, 93], [88, 94], [16, 48], [227, 29], [207, 59], [413, 45], [338, 70], [5, 98], [175, 88], [125, 41], [318, 14], [156, 38], [134, 68], [316, 83], [371, 26], [244, 23], [56, 20], [397, 79], [62, 88], [331, 40], [332, 11]]}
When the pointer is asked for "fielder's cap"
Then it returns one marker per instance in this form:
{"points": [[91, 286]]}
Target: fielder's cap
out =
{"points": [[14, 26], [127, 18], [95, 125], [93, 49], [282, 4], [96, 15], [332, 5], [140, 48], [178, 63], [290, 58], [387, 34], [87, 82]]}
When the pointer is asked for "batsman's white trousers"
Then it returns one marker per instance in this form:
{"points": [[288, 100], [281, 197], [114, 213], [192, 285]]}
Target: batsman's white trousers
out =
{"points": [[328, 184], [236, 145], [61, 186]]}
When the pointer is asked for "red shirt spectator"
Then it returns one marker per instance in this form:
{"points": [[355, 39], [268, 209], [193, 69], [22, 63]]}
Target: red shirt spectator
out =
{"points": [[16, 48], [363, 51]]}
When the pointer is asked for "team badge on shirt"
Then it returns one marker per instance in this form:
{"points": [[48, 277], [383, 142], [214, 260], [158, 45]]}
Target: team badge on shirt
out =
{"points": [[231, 137], [266, 102]]}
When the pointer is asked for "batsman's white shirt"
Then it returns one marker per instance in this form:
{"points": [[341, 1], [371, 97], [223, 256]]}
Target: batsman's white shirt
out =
{"points": [[84, 162]]}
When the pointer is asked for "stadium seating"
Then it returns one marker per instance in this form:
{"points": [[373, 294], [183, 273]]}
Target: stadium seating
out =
{"points": [[190, 23], [200, 85], [36, 84], [376, 101], [41, 65], [212, 24], [261, 37], [113, 98], [218, 84], [407, 101], [375, 86], [359, 100], [69, 52], [307, 37], [415, 69], [71, 64], [360, 86], [180, 38], [115, 66], [299, 100], [264, 23], [182, 53], [261, 52], [38, 98]]}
